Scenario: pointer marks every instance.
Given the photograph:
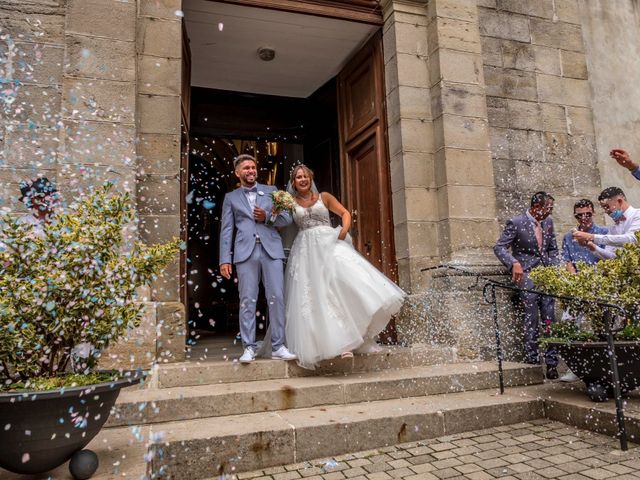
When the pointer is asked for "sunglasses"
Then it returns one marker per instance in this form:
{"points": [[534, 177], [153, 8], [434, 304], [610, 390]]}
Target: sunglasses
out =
{"points": [[583, 215]]}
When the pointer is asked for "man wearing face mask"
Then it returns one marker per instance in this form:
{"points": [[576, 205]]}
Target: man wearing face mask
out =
{"points": [[627, 221]]}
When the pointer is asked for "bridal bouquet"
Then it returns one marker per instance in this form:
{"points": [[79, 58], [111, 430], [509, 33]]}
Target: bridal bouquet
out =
{"points": [[282, 201]]}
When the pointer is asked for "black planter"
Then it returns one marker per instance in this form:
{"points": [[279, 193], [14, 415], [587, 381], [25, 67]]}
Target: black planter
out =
{"points": [[590, 362], [39, 431]]}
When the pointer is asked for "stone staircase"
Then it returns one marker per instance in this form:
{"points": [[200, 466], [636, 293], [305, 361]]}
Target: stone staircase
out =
{"points": [[208, 418], [203, 418]]}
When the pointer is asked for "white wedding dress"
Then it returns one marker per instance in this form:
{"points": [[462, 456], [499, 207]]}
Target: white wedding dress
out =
{"points": [[334, 298]]}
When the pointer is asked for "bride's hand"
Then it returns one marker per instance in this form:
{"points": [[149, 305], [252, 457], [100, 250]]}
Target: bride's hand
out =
{"points": [[342, 235]]}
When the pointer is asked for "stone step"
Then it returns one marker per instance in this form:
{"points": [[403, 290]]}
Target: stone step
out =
{"points": [[210, 447], [203, 372], [122, 453], [568, 403], [142, 406]]}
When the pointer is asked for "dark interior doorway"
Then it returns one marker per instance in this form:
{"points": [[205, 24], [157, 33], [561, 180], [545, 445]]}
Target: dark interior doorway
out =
{"points": [[280, 132]]}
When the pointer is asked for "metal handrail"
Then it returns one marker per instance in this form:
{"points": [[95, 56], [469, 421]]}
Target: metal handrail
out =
{"points": [[489, 296]]}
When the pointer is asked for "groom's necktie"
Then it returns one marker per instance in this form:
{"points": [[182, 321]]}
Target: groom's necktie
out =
{"points": [[538, 231]]}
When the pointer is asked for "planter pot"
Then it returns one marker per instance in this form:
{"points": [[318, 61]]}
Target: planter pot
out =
{"points": [[39, 431], [590, 362]]}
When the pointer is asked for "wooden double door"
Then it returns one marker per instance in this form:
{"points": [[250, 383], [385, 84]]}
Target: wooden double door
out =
{"points": [[363, 178]]}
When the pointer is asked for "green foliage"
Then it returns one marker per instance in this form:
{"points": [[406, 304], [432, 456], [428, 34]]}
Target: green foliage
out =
{"points": [[73, 284], [69, 380], [615, 281], [566, 331]]}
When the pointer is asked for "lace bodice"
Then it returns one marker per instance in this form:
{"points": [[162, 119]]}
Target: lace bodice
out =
{"points": [[314, 216]]}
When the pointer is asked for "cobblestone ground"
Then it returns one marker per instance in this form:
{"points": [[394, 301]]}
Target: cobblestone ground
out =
{"points": [[539, 449]]}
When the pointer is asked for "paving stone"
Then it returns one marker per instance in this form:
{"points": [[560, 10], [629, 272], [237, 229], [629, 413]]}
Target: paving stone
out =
{"points": [[550, 472], [380, 458], [537, 450], [376, 476], [422, 468], [377, 467], [598, 473], [573, 467], [354, 472], [439, 447], [359, 462], [400, 472], [399, 463], [469, 468], [446, 473], [447, 463], [619, 469], [421, 459], [292, 475], [333, 476]]}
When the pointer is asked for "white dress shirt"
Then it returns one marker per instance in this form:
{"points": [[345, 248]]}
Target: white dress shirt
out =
{"points": [[251, 194], [619, 234]]}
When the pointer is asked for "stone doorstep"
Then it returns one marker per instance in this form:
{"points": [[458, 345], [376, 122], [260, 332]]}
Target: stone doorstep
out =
{"points": [[208, 372], [142, 406], [205, 448]]}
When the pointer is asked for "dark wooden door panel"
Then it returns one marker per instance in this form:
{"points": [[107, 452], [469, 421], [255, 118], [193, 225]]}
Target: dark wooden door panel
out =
{"points": [[360, 94], [365, 159], [365, 184]]}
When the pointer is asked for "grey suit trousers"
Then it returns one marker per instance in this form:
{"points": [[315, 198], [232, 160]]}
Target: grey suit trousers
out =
{"points": [[261, 265], [538, 309]]}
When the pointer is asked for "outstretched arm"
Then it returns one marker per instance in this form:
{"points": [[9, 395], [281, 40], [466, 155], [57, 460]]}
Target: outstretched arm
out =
{"points": [[336, 207], [624, 160]]}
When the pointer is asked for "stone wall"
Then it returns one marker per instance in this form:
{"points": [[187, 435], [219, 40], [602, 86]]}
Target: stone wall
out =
{"points": [[98, 100], [611, 32], [539, 103], [32, 41]]}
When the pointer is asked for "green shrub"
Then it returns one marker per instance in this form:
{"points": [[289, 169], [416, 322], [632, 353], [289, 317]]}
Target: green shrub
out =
{"points": [[615, 281], [74, 284]]}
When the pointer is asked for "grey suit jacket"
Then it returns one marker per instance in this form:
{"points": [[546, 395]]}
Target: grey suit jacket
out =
{"points": [[518, 243], [237, 217]]}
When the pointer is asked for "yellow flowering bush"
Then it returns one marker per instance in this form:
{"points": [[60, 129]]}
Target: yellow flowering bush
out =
{"points": [[615, 281], [72, 284]]}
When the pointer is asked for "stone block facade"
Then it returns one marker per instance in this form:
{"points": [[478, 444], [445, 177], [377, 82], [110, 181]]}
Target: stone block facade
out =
{"points": [[487, 102], [98, 100]]}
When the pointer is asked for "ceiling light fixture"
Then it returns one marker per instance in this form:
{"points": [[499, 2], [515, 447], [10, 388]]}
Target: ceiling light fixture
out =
{"points": [[266, 53]]}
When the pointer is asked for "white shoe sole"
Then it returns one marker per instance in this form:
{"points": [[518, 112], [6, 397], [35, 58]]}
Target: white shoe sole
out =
{"points": [[293, 357]]}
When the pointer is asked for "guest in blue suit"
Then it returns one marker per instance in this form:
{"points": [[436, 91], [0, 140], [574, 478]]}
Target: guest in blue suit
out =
{"points": [[529, 240], [257, 253], [572, 251]]}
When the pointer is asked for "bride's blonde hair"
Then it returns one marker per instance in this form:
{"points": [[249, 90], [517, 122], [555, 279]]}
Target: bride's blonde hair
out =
{"points": [[300, 166]]}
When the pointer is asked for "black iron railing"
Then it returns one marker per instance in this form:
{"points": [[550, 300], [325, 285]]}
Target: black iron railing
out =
{"points": [[489, 296]]}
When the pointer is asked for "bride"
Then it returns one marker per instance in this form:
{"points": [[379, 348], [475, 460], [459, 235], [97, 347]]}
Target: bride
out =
{"points": [[335, 300]]}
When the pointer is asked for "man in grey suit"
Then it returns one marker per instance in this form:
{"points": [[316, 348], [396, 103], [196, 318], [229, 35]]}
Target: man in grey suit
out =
{"points": [[256, 252], [529, 240]]}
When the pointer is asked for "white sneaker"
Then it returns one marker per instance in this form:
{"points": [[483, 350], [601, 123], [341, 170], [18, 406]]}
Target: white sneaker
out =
{"points": [[569, 377], [248, 356], [283, 353]]}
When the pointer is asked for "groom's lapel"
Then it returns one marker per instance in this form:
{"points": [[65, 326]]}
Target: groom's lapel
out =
{"points": [[261, 197]]}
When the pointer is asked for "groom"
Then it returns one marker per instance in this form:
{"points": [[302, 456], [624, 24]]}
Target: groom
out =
{"points": [[257, 251]]}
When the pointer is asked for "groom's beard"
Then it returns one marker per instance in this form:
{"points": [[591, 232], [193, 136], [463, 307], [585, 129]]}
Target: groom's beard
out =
{"points": [[246, 183]]}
